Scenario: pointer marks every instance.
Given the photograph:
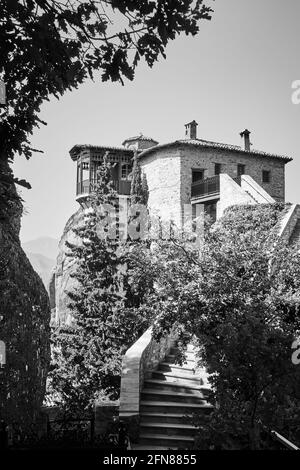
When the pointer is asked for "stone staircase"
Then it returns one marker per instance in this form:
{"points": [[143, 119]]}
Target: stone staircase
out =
{"points": [[168, 399], [252, 197]]}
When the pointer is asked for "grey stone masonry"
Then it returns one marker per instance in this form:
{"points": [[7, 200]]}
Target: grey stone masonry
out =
{"points": [[206, 158], [168, 169], [163, 173]]}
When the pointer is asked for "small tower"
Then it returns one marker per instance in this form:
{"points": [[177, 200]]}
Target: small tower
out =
{"points": [[139, 143], [191, 130]]}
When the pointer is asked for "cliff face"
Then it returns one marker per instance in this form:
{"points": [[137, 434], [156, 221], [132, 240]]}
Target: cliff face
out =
{"points": [[61, 281], [24, 321]]}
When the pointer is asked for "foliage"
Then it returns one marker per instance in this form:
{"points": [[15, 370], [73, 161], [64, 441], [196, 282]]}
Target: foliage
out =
{"points": [[145, 188], [240, 298], [48, 47], [139, 185], [10, 204], [114, 279]]}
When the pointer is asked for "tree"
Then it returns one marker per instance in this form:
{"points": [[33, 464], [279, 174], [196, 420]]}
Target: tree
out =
{"points": [[107, 306], [48, 47], [139, 219], [139, 187], [243, 311], [145, 189]]}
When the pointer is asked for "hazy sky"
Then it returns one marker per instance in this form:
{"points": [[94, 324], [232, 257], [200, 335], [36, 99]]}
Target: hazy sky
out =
{"points": [[236, 73]]}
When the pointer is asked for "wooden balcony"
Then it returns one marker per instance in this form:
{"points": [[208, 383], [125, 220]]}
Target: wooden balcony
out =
{"points": [[207, 188], [121, 186]]}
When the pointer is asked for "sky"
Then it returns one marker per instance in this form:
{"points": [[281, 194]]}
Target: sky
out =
{"points": [[236, 73]]}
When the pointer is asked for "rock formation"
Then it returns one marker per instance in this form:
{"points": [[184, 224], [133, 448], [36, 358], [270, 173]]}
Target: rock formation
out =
{"points": [[24, 320], [61, 281]]}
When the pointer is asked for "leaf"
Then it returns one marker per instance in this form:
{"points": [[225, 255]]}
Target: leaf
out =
{"points": [[23, 183]]}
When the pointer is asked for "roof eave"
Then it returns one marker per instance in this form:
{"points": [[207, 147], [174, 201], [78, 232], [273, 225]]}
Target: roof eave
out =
{"points": [[285, 158], [76, 149]]}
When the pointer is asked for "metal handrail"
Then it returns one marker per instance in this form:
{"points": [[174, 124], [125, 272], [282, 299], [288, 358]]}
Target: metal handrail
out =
{"points": [[288, 444]]}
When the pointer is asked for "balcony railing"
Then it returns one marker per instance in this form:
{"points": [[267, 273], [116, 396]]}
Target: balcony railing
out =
{"points": [[86, 186], [207, 187]]}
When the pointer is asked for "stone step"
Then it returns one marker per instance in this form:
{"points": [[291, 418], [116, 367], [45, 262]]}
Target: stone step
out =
{"points": [[168, 429], [178, 377], [190, 349], [171, 359], [148, 447], [191, 357], [169, 397], [184, 370], [155, 406], [173, 418], [183, 442], [179, 371], [189, 354], [190, 387], [189, 365], [174, 396]]}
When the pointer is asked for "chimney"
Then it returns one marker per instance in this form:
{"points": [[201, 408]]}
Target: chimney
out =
{"points": [[246, 136], [191, 130]]}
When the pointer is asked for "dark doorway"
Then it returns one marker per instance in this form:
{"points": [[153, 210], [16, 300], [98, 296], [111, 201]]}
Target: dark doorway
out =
{"points": [[210, 210]]}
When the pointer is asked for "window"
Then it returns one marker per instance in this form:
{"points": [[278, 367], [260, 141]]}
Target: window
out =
{"points": [[218, 168], [241, 169], [266, 176], [125, 170], [197, 175]]}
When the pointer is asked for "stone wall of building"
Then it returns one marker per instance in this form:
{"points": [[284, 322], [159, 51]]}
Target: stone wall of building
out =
{"points": [[164, 182], [169, 174], [205, 158], [231, 194]]}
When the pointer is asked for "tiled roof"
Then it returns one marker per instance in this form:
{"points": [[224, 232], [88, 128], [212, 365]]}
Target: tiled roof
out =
{"points": [[140, 137], [78, 147], [217, 145]]}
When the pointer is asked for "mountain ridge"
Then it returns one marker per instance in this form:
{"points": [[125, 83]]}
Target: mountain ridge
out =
{"points": [[42, 253], [46, 246]]}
